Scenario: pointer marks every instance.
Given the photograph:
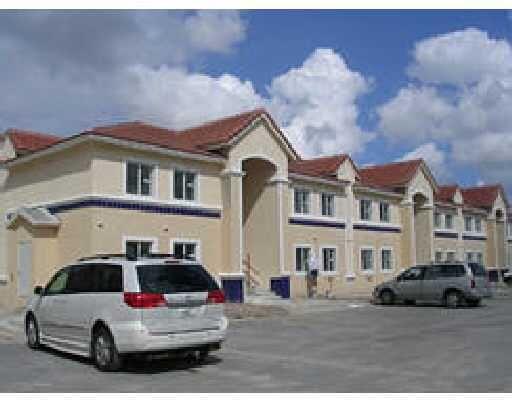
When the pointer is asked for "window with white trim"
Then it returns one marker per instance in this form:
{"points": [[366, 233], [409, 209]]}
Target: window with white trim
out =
{"points": [[185, 249], [450, 256], [139, 178], [448, 221], [439, 256], [301, 201], [384, 212], [367, 260], [478, 224], [480, 258], [469, 257], [327, 204], [329, 259], [365, 209], [138, 248], [185, 185], [302, 255], [437, 219], [468, 223], [386, 259]]}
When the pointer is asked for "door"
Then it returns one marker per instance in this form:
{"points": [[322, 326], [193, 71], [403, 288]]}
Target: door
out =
{"points": [[432, 285], [410, 282], [24, 269]]}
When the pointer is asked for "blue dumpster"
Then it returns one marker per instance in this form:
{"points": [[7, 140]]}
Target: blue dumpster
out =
{"points": [[233, 288]]}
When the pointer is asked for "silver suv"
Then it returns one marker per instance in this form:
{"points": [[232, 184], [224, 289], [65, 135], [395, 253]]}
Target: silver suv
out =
{"points": [[106, 307], [451, 284]]}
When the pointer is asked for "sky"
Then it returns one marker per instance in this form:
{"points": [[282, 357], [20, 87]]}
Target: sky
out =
{"points": [[379, 85]]}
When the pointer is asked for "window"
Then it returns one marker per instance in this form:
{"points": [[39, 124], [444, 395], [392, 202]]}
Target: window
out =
{"points": [[301, 201], [185, 185], [365, 209], [81, 279], [327, 205], [444, 271], [183, 249], [58, 284], [437, 219], [386, 260], [139, 179], [469, 257], [384, 212], [468, 223], [448, 221], [478, 224], [329, 259], [138, 248], [439, 256], [412, 274], [302, 258], [450, 256], [95, 278], [367, 260], [479, 258], [509, 228]]}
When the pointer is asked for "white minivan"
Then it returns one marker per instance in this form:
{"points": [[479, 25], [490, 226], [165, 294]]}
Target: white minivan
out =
{"points": [[107, 307]]}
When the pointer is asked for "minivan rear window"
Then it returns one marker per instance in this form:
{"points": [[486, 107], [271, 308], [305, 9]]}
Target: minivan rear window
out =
{"points": [[167, 279], [477, 269]]}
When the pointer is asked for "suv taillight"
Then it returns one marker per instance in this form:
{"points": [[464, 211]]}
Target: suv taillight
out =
{"points": [[216, 296], [144, 300]]}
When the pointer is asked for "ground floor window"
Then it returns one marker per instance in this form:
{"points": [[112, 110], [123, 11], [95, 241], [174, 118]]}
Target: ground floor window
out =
{"points": [[439, 256], [386, 259], [450, 256], [329, 259], [470, 257], [186, 249], [367, 260], [139, 248], [302, 255], [480, 258]]}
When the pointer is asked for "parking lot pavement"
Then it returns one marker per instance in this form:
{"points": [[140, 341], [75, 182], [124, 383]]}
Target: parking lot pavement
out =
{"points": [[360, 349]]}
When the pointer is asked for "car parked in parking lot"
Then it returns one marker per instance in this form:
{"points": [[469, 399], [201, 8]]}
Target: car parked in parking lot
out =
{"points": [[451, 284], [107, 307]]}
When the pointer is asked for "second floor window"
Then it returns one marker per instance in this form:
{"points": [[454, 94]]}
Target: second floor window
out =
{"points": [[384, 212], [437, 219], [139, 179], [448, 221], [301, 201], [468, 223], [327, 205], [365, 210], [478, 224], [185, 187]]}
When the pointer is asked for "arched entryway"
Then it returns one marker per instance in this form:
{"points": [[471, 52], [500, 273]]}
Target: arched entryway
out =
{"points": [[260, 220], [422, 228]]}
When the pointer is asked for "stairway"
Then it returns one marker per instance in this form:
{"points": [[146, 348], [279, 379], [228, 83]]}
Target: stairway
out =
{"points": [[263, 296]]}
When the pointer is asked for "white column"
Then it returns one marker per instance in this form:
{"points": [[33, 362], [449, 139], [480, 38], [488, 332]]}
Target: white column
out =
{"points": [[349, 232]]}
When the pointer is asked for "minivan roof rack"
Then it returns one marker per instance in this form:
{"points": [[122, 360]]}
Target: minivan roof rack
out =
{"points": [[106, 256]]}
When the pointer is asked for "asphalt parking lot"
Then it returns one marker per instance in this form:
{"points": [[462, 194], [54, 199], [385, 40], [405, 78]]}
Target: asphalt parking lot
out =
{"points": [[350, 349]]}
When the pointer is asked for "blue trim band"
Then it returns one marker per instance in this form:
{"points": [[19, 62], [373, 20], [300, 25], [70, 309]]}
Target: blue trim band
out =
{"points": [[376, 228], [135, 206], [316, 222], [449, 235], [466, 237]]}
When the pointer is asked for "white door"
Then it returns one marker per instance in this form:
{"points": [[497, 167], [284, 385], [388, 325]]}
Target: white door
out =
{"points": [[24, 268]]}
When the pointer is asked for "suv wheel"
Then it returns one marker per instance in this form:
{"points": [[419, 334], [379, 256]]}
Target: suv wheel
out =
{"points": [[387, 297], [452, 299], [104, 351], [32, 332]]}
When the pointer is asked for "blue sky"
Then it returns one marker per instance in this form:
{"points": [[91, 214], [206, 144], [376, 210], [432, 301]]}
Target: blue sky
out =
{"points": [[180, 68]]}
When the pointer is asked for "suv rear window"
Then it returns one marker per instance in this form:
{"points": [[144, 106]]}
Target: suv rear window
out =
{"points": [[477, 269], [446, 271], [166, 279]]}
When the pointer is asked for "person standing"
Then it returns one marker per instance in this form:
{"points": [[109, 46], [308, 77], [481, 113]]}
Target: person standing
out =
{"points": [[312, 273]]}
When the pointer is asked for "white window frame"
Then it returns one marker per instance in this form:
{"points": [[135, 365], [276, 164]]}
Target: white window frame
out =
{"points": [[481, 254], [387, 248], [450, 252], [445, 220], [361, 209], [470, 219], [152, 239], [295, 247], [309, 197], [438, 221], [469, 256], [372, 270], [381, 203], [185, 169], [333, 195], [438, 251], [154, 178], [196, 242], [329, 247], [478, 228]]}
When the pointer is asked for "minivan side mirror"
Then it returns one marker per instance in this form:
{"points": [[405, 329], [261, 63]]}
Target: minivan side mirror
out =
{"points": [[38, 290]]}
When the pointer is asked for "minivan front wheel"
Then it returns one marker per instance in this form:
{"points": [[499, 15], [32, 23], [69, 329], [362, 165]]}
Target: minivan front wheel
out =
{"points": [[452, 299], [104, 351], [32, 332]]}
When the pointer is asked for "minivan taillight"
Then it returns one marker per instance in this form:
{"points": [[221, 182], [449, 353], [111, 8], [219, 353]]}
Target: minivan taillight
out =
{"points": [[144, 300], [473, 284], [216, 296]]}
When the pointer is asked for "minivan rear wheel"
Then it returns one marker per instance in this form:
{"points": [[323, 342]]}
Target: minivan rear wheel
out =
{"points": [[104, 351], [452, 299], [387, 297]]}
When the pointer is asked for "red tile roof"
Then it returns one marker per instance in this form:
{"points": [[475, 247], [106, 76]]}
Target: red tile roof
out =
{"points": [[24, 141], [322, 167], [388, 176], [446, 193], [481, 196]]}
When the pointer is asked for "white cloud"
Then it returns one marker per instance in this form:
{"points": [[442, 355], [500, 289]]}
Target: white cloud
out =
{"points": [[433, 156], [461, 57]]}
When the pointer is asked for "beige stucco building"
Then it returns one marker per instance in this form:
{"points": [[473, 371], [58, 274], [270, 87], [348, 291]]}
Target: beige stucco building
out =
{"points": [[231, 192]]}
